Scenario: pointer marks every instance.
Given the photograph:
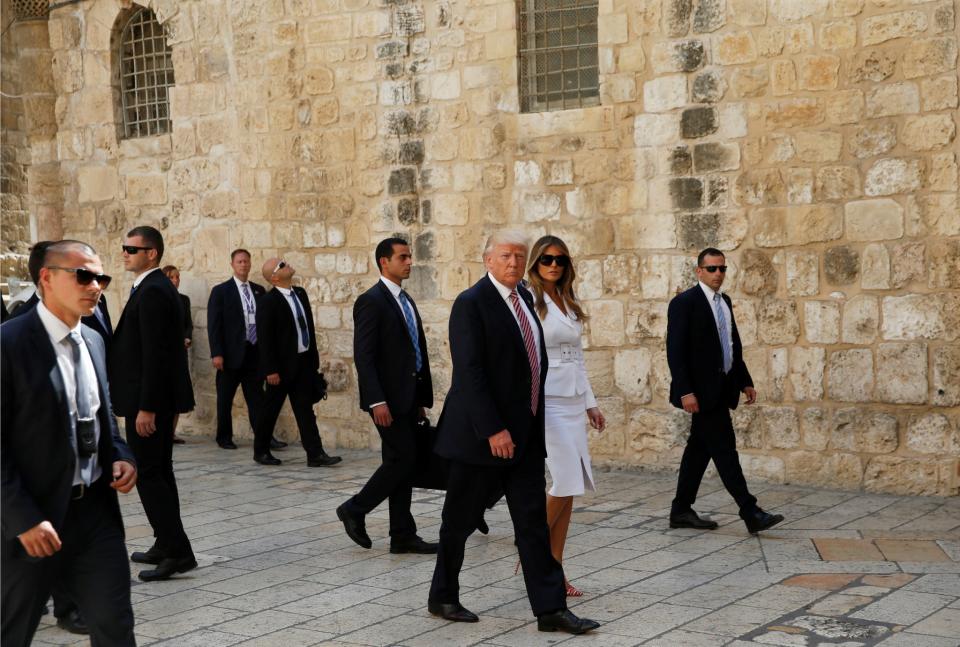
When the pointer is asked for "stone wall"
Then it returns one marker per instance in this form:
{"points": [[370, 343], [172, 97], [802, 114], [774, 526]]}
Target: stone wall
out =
{"points": [[813, 140]]}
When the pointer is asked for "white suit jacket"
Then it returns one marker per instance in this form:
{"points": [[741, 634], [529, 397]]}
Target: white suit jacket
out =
{"points": [[567, 372]]}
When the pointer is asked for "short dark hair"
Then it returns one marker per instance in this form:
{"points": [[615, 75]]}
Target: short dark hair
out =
{"points": [[239, 250], [38, 254], [151, 236], [385, 249], [709, 251]]}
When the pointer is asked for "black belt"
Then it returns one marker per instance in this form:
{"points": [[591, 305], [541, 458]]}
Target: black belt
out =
{"points": [[81, 491]]}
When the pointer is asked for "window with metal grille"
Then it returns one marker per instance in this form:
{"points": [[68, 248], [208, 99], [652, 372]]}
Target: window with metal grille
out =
{"points": [[146, 71], [558, 55]]}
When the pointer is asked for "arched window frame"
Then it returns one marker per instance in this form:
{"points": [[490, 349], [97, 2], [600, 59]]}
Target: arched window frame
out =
{"points": [[143, 73]]}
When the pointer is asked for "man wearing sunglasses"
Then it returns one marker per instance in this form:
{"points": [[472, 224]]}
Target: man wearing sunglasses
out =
{"points": [[63, 459], [708, 374], [289, 361], [151, 385]]}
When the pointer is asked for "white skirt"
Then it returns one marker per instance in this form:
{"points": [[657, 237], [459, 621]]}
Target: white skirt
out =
{"points": [[566, 435]]}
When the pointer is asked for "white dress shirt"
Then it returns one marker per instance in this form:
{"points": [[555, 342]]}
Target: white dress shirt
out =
{"points": [[137, 281], [289, 295], [726, 311], [252, 309], [63, 347], [505, 293]]}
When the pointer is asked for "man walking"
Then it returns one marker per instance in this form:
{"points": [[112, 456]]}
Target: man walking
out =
{"points": [[393, 371], [708, 374], [491, 430], [63, 460], [151, 385], [289, 360]]}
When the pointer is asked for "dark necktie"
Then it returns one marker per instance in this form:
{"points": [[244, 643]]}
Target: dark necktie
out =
{"points": [[84, 423], [301, 321], [411, 326], [530, 344]]}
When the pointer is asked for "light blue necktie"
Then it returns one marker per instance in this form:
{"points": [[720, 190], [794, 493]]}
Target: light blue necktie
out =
{"points": [[301, 321], [87, 463], [724, 337], [248, 306], [411, 326]]}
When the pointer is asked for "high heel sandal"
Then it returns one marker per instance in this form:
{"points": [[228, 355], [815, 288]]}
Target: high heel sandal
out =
{"points": [[572, 591], [516, 569]]}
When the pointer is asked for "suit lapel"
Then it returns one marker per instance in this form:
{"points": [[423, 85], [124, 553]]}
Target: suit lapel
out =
{"points": [[499, 306], [707, 313], [387, 296], [46, 357]]}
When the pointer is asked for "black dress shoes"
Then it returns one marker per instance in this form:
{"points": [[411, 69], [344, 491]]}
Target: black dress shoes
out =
{"points": [[152, 556], [454, 612], [355, 528], [322, 460], [759, 520], [690, 519], [482, 527], [565, 621], [73, 622], [268, 459], [168, 568], [414, 545], [276, 444], [227, 444]]}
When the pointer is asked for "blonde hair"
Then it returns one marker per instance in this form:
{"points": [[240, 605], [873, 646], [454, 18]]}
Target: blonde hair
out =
{"points": [[564, 285], [506, 237]]}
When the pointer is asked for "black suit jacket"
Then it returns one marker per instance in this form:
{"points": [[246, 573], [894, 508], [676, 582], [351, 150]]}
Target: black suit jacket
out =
{"points": [[490, 388], [384, 355], [277, 334], [37, 457], [148, 362], [187, 317], [695, 356], [105, 331], [226, 322]]}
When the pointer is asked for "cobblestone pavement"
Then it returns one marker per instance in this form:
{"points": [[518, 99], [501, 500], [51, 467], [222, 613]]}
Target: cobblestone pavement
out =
{"points": [[277, 569]]}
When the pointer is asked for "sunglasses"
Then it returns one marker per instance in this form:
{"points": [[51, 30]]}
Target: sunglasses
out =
{"points": [[280, 266], [133, 249], [85, 277], [714, 268], [547, 260]]}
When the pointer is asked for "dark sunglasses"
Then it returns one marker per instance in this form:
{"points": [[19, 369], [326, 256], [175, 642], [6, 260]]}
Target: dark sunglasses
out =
{"points": [[714, 268], [85, 277], [133, 249], [280, 266], [547, 260]]}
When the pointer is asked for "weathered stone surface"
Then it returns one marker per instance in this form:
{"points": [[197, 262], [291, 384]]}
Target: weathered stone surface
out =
{"points": [[646, 320], [655, 129], [708, 87], [802, 273], [940, 213], [893, 175], [928, 132], [677, 56], [818, 146], [811, 467], [850, 375], [97, 183], [747, 13], [929, 433], [839, 34], [783, 77], [875, 433], [841, 265], [945, 381], [735, 48], [794, 112], [757, 274], [844, 107], [893, 99], [686, 192], [818, 72], [900, 476], [939, 93], [777, 322], [879, 219], [631, 369], [942, 259], [698, 122], [902, 24], [875, 268], [861, 319], [927, 56], [676, 17], [715, 157], [837, 183], [821, 322], [665, 93], [908, 264], [791, 11], [872, 65], [806, 373], [873, 138], [916, 316]]}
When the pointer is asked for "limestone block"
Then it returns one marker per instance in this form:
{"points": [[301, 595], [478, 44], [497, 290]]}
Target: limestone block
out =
{"points": [[96, 183], [902, 373], [146, 189], [818, 72], [908, 264], [792, 11], [839, 34], [716, 156], [781, 427], [806, 373], [927, 56], [872, 138], [677, 56], [929, 433], [724, 231], [559, 172], [799, 185], [821, 322], [815, 428], [526, 173], [792, 113], [913, 316], [480, 143], [318, 80], [708, 15], [665, 93], [799, 225], [842, 470], [777, 322], [893, 99], [646, 320], [676, 17], [777, 377], [798, 38], [733, 121], [537, 207], [770, 41], [940, 213], [928, 132], [837, 182], [802, 273], [649, 430], [902, 24], [944, 173], [939, 93], [860, 320], [945, 381], [747, 13], [445, 85], [618, 88], [841, 265], [606, 323], [875, 269], [765, 468], [612, 29], [942, 259], [893, 175], [655, 272], [844, 107], [757, 273], [879, 219], [631, 370], [872, 65], [853, 430], [895, 475], [734, 48], [818, 146], [751, 81], [850, 375], [450, 209]]}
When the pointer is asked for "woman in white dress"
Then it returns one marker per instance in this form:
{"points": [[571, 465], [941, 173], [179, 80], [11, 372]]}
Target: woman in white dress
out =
{"points": [[567, 391]]}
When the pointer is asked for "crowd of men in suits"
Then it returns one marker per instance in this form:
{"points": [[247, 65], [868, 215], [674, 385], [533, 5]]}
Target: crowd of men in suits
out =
{"points": [[64, 460]]}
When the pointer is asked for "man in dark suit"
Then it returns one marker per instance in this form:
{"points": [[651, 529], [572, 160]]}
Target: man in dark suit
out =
{"points": [[708, 374], [289, 361], [232, 331], [491, 430], [63, 460], [393, 371], [151, 385]]}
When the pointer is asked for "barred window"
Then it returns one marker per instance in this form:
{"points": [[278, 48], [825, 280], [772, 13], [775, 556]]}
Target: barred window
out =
{"points": [[558, 55], [146, 71]]}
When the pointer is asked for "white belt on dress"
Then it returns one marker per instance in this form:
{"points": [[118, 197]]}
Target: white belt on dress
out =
{"points": [[565, 353]]}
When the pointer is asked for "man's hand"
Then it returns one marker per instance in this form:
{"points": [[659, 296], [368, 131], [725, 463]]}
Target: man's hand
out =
{"points": [[690, 404], [146, 423], [41, 540], [501, 444], [597, 421], [187, 342], [273, 379], [218, 362], [381, 415], [751, 394], [124, 476]]}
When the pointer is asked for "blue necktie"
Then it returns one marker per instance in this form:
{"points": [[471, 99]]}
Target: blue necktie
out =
{"points": [[301, 321], [133, 288], [248, 306], [724, 337], [411, 326]]}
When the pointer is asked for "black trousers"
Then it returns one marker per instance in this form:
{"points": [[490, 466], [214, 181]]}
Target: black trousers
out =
{"points": [[299, 389], [468, 493], [157, 486], [248, 378], [91, 568], [711, 437], [392, 479]]}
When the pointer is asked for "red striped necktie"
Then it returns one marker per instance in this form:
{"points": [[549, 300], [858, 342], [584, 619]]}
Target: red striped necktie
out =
{"points": [[532, 355]]}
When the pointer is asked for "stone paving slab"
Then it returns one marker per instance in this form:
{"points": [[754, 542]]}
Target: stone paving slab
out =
{"points": [[277, 570]]}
